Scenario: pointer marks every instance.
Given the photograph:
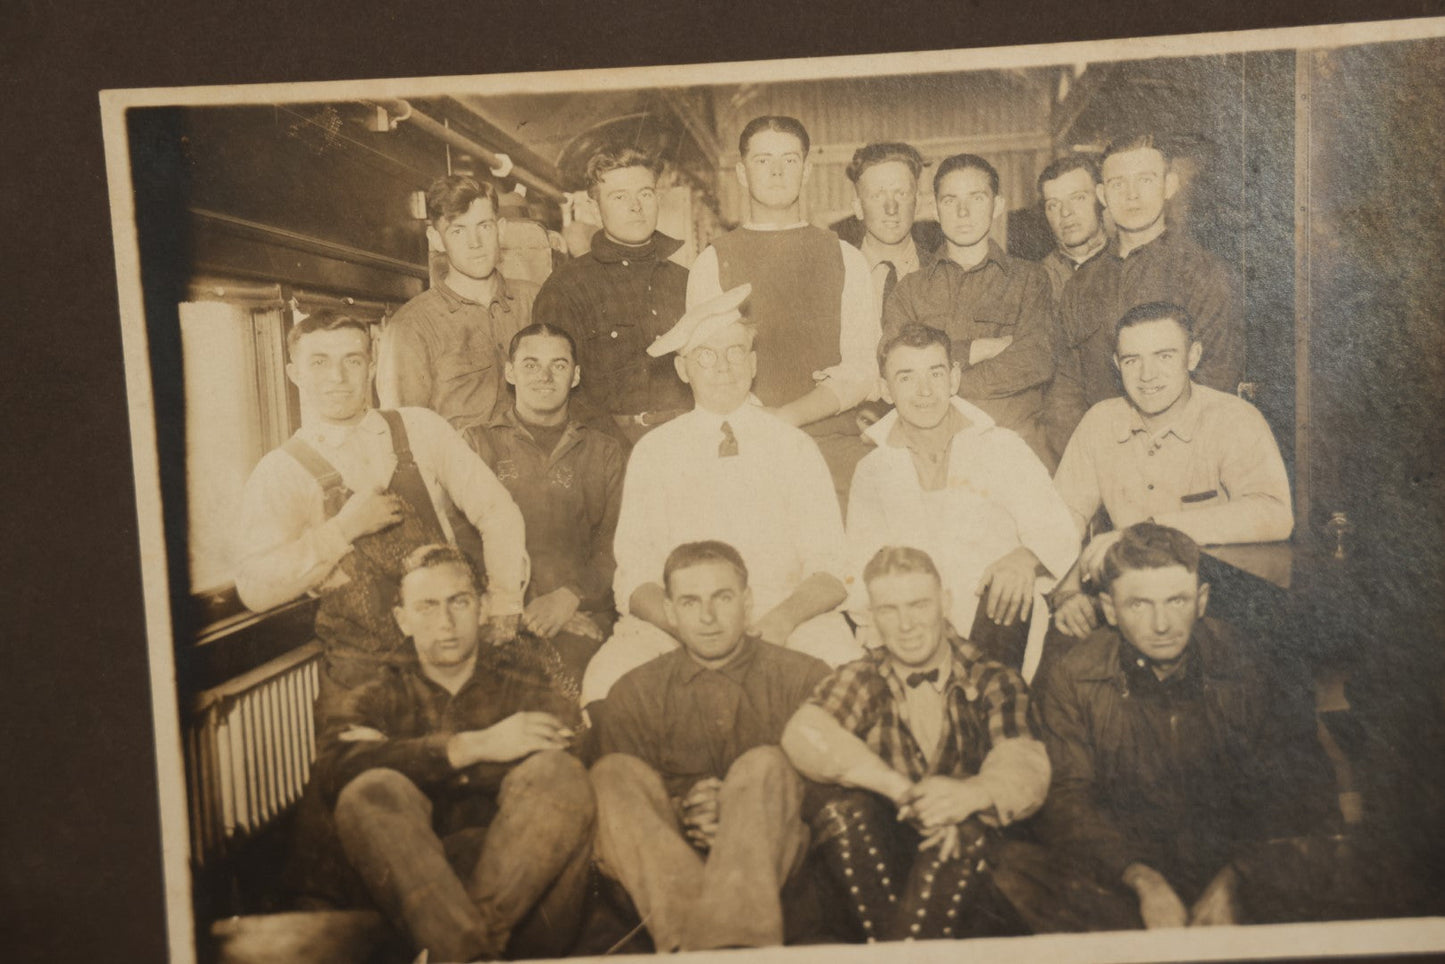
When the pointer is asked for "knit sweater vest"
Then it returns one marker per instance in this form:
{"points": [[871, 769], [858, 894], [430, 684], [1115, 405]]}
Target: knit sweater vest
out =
{"points": [[797, 279]]}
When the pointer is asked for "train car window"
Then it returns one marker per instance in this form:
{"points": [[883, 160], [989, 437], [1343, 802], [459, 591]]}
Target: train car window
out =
{"points": [[236, 411]]}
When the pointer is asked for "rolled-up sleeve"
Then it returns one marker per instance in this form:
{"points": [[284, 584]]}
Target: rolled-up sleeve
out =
{"points": [[484, 501], [1016, 773]]}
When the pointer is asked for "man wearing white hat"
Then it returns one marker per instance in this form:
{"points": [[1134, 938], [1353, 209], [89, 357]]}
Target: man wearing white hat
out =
{"points": [[727, 470]]}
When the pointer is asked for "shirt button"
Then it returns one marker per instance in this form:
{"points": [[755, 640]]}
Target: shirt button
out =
{"points": [[613, 335], [1150, 486], [464, 780], [625, 263]]}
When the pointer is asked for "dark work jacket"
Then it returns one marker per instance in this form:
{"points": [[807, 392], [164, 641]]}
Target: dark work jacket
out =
{"points": [[614, 301], [1178, 776]]}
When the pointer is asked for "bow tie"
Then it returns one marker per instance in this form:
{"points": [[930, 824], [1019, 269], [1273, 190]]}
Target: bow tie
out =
{"points": [[915, 678]]}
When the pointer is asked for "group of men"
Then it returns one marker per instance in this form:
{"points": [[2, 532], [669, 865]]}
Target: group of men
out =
{"points": [[599, 524]]}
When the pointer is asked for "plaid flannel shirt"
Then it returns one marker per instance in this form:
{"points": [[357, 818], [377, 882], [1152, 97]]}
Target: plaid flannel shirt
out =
{"points": [[986, 704]]}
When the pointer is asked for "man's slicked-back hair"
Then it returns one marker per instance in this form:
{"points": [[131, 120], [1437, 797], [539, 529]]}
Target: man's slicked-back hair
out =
{"points": [[691, 554], [541, 328], [1067, 164], [615, 159], [430, 557], [871, 155], [451, 195], [899, 559], [913, 336], [1135, 142], [1156, 311], [773, 122], [324, 319], [1148, 545], [966, 162]]}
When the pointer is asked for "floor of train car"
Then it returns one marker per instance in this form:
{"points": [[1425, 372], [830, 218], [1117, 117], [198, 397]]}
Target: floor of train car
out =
{"points": [[1386, 747]]}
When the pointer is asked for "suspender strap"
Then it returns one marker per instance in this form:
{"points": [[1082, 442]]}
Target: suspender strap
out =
{"points": [[400, 444], [312, 461]]}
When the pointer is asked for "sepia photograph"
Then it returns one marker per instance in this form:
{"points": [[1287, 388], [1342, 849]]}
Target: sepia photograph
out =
{"points": [[831, 508]]}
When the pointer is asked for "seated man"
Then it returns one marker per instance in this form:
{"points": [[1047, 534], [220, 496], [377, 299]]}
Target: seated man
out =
{"points": [[1170, 451], [619, 295], [946, 479], [726, 470], [334, 510], [1177, 753], [567, 478], [698, 809], [454, 801], [935, 743]]}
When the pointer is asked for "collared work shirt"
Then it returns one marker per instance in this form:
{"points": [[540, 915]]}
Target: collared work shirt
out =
{"points": [[1000, 297], [614, 300], [444, 352], [989, 732], [1061, 269], [689, 722], [855, 377], [286, 546], [1170, 268], [569, 497], [773, 502], [418, 717], [996, 497], [1215, 474]]}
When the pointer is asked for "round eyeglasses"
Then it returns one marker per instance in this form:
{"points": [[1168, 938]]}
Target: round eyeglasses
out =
{"points": [[709, 357]]}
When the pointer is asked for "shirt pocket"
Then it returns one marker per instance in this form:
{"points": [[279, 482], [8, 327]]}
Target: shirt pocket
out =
{"points": [[465, 363]]}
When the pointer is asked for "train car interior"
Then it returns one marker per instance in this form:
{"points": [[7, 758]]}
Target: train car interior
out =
{"points": [[1302, 169]]}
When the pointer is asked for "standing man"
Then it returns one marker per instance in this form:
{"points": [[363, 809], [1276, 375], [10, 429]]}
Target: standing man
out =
{"points": [[1170, 451], [1069, 187], [1183, 761], [335, 510], [732, 472], [620, 295], [932, 745], [994, 306], [453, 798], [1147, 262], [699, 811], [812, 304], [945, 478], [444, 349], [567, 479], [885, 180]]}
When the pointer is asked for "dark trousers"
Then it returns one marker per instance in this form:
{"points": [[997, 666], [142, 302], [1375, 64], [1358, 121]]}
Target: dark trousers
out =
{"points": [[522, 894], [999, 887]]}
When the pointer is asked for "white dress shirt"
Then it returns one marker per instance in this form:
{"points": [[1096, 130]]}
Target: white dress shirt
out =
{"points": [[773, 502], [997, 497]]}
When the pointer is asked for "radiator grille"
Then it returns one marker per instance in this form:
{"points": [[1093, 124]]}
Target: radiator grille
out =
{"points": [[249, 749]]}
